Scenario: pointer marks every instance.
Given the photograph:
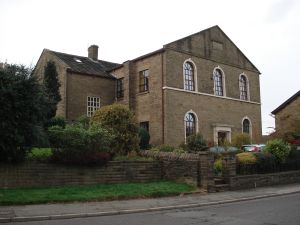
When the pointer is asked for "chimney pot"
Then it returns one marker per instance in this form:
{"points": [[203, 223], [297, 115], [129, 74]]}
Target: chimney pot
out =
{"points": [[93, 52]]}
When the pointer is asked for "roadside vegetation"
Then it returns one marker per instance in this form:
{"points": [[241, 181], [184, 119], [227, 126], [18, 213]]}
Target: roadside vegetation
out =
{"points": [[101, 192]]}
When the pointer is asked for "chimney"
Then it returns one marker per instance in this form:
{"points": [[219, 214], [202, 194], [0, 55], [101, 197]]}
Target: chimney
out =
{"points": [[93, 52]]}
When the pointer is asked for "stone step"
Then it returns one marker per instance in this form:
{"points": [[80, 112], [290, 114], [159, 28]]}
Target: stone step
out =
{"points": [[219, 181], [222, 187]]}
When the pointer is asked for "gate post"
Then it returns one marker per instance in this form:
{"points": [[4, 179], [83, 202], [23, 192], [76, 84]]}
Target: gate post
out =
{"points": [[206, 171], [229, 167]]}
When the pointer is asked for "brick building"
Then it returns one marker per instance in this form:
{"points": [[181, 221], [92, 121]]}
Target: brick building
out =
{"points": [[200, 83], [287, 112]]}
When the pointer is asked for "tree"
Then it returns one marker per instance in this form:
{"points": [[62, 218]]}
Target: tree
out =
{"points": [[120, 121], [23, 107], [52, 85], [241, 139]]}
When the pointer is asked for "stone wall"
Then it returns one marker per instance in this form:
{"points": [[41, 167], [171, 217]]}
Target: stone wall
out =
{"points": [[211, 112], [79, 87], [285, 116], [261, 180], [147, 106], [38, 174], [237, 182]]}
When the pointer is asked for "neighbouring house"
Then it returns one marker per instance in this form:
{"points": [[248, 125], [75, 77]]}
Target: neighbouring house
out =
{"points": [[286, 113], [200, 83]]}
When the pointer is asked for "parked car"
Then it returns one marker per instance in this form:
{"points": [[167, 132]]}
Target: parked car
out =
{"points": [[253, 148]]}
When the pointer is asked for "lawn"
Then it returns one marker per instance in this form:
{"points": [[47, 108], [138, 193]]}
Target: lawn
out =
{"points": [[99, 192]]}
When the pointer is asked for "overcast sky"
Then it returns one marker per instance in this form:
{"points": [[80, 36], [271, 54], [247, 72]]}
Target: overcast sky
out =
{"points": [[267, 32]]}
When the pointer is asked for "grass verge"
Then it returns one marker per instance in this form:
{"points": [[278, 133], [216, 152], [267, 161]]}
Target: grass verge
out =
{"points": [[99, 192]]}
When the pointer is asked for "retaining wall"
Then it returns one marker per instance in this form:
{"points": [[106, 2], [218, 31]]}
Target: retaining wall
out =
{"points": [[261, 180], [38, 174]]}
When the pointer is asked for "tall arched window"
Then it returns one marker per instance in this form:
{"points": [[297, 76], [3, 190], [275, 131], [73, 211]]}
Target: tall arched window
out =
{"points": [[190, 124], [243, 87], [218, 82], [189, 81], [246, 126]]}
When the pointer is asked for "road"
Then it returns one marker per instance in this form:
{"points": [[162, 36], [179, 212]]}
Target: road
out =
{"points": [[280, 210]]}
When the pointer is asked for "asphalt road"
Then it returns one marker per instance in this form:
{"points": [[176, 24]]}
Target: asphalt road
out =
{"points": [[280, 210]]}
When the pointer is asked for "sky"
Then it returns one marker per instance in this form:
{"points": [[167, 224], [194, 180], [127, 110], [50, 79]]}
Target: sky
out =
{"points": [[267, 32]]}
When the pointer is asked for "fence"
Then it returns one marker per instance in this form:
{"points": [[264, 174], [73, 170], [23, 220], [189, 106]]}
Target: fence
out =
{"points": [[257, 168]]}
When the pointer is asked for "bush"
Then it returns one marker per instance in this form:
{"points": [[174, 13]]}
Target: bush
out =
{"points": [[144, 138], [294, 152], [84, 121], [76, 145], [218, 167], [196, 143], [57, 121], [241, 139], [166, 148], [279, 149], [265, 161], [39, 154], [246, 158], [119, 120]]}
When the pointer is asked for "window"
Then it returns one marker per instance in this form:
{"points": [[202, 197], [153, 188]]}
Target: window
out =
{"points": [[218, 82], [189, 83], [190, 124], [145, 125], [243, 87], [246, 126], [144, 81], [120, 88], [93, 103]]}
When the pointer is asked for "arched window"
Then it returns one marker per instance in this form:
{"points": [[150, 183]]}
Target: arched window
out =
{"points": [[219, 82], [243, 87], [190, 124], [246, 126], [189, 80]]}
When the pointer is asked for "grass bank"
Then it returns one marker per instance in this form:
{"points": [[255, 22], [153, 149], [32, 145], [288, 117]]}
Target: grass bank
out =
{"points": [[99, 192]]}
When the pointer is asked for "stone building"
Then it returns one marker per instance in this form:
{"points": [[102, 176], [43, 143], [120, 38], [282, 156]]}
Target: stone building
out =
{"points": [[200, 83], [287, 112]]}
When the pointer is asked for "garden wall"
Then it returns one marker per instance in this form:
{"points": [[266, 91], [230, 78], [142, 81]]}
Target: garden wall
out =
{"points": [[38, 174], [260, 180]]}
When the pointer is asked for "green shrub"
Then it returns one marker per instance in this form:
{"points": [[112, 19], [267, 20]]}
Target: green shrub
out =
{"points": [[166, 148], [154, 149], [265, 160], [144, 138], [279, 149], [39, 154], [218, 167], [196, 143], [246, 158], [119, 120], [238, 140], [294, 152], [76, 145], [84, 121], [57, 121], [179, 150]]}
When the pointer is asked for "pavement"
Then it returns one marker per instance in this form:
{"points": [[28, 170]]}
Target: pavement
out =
{"points": [[89, 209]]}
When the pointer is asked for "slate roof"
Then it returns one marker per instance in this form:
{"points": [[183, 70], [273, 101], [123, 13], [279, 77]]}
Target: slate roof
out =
{"points": [[85, 65], [283, 105]]}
